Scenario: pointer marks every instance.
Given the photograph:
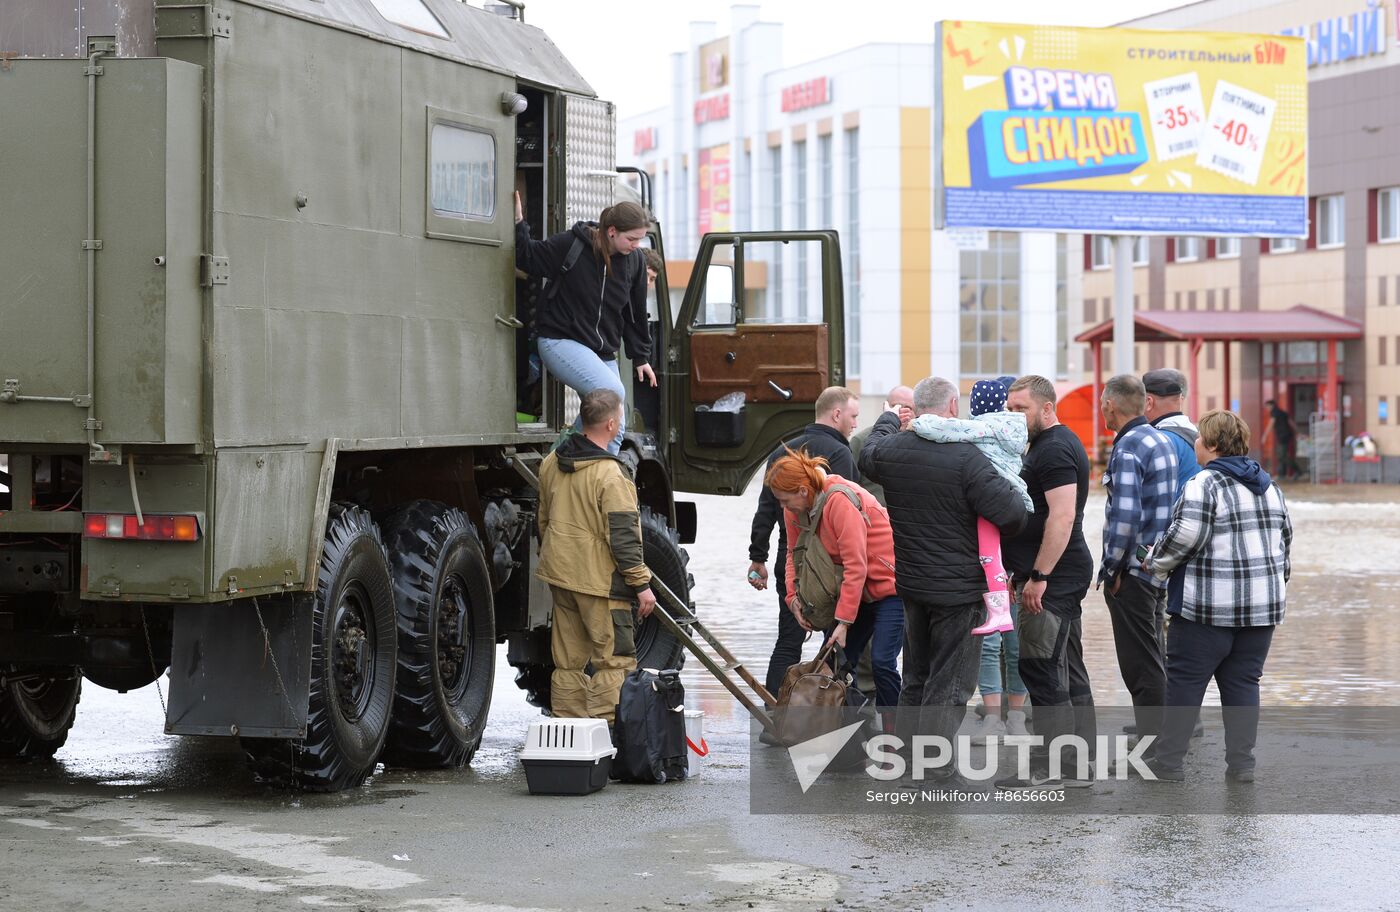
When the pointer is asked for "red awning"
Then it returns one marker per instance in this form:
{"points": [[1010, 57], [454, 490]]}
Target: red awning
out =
{"points": [[1296, 323]]}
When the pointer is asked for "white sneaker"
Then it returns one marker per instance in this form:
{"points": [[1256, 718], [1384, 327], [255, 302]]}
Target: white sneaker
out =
{"points": [[1016, 722], [970, 722], [985, 727]]}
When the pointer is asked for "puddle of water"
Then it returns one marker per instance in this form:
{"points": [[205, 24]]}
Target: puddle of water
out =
{"points": [[307, 860], [243, 883], [37, 823]]}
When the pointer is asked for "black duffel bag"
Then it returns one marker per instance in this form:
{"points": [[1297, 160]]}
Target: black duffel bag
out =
{"points": [[649, 729]]}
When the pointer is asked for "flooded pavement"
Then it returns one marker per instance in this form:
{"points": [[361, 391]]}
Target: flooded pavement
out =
{"points": [[127, 818]]}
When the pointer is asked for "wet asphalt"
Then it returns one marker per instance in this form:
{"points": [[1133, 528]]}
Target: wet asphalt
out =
{"points": [[128, 818]]}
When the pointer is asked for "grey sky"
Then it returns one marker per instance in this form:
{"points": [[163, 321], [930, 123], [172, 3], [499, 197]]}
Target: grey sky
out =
{"points": [[624, 50]]}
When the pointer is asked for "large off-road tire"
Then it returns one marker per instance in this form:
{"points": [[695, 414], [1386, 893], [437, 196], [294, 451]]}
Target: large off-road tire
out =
{"points": [[661, 549], [36, 713], [446, 636], [656, 647], [353, 648]]}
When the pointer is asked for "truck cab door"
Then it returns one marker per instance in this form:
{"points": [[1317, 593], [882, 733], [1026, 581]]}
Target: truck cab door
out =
{"points": [[761, 316]]}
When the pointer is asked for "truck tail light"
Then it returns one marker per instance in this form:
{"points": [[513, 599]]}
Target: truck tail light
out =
{"points": [[155, 528]]}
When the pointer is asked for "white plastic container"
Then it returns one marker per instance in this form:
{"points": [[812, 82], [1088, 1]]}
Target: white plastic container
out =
{"points": [[695, 741], [567, 756]]}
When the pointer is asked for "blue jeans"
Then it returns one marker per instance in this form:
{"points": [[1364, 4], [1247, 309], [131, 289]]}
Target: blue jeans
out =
{"points": [[882, 621], [993, 645], [581, 370]]}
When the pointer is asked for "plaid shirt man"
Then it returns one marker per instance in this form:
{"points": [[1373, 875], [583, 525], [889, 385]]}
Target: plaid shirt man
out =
{"points": [[1235, 546], [1141, 484]]}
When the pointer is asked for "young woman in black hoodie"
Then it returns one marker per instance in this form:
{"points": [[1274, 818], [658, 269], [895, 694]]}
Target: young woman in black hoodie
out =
{"points": [[600, 302]]}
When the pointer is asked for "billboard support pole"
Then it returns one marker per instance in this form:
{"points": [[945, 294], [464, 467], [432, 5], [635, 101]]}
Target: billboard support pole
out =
{"points": [[1123, 304]]}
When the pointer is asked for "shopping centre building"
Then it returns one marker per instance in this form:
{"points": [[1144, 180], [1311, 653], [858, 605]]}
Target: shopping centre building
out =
{"points": [[847, 142]]}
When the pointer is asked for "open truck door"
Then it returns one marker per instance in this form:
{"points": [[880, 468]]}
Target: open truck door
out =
{"points": [[762, 316]]}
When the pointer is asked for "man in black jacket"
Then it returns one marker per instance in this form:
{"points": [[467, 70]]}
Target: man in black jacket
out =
{"points": [[935, 492], [838, 410]]}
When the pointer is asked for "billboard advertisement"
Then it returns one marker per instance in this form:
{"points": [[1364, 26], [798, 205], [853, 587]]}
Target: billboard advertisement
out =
{"points": [[1122, 131]]}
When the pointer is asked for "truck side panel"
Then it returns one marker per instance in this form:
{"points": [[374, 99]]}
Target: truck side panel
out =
{"points": [[146, 292]]}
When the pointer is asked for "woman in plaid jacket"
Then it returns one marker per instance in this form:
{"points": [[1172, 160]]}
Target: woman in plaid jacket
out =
{"points": [[1229, 537]]}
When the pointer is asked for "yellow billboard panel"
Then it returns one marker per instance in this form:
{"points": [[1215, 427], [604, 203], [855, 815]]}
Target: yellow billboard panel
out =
{"points": [[1122, 131]]}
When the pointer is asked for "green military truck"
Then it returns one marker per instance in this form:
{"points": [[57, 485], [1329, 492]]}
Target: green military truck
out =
{"points": [[260, 331]]}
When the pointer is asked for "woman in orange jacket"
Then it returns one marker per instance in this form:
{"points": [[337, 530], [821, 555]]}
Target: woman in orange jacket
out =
{"points": [[860, 542]]}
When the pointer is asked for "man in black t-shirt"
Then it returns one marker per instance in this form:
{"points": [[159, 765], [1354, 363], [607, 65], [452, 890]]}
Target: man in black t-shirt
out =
{"points": [[1051, 569]]}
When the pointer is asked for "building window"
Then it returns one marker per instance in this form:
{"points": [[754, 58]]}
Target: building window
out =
{"points": [[1100, 251], [799, 198], [1061, 307], [1188, 249], [824, 181], [990, 308], [1227, 248], [775, 156], [683, 204], [1283, 245], [1388, 215], [741, 209], [1331, 215], [852, 247]]}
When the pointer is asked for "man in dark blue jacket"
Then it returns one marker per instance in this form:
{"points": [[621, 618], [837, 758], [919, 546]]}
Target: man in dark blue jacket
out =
{"points": [[935, 492], [838, 410]]}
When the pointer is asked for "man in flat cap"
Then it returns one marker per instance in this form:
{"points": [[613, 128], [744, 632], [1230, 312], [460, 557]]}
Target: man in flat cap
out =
{"points": [[1166, 394]]}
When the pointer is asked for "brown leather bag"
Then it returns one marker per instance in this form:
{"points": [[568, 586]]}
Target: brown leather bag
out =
{"points": [[811, 700]]}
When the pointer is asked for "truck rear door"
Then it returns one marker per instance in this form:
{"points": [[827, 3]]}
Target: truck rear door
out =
{"points": [[762, 317]]}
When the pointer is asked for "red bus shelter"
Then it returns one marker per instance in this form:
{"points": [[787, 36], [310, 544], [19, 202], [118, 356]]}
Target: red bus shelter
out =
{"points": [[1197, 327]]}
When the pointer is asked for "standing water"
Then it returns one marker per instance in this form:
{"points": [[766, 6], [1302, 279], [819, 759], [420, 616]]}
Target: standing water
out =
{"points": [[1339, 642]]}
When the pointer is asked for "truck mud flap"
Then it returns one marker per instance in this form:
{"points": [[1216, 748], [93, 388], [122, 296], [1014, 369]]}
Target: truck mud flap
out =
{"points": [[228, 678]]}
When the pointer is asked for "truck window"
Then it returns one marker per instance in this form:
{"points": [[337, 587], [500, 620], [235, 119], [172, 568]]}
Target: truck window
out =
{"points": [[782, 282], [720, 306], [463, 172]]}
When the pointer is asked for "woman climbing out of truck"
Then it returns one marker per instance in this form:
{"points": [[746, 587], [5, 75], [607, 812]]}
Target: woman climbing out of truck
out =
{"points": [[595, 300]]}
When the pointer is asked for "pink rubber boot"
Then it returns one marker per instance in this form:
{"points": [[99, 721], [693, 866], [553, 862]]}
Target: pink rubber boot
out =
{"points": [[997, 599], [998, 605]]}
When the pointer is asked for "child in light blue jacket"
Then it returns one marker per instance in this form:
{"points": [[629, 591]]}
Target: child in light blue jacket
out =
{"points": [[1001, 435]]}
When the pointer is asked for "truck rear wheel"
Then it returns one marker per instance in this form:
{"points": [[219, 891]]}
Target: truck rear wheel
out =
{"points": [[656, 647], [661, 549], [352, 665], [36, 713], [446, 636]]}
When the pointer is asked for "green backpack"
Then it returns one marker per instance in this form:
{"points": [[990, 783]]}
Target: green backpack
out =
{"points": [[819, 577]]}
